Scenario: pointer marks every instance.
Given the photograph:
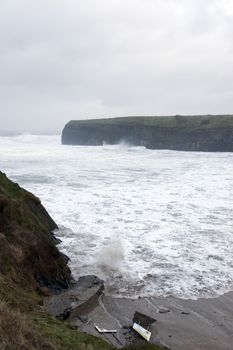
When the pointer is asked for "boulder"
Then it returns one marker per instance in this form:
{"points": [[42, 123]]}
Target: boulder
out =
{"points": [[77, 300]]}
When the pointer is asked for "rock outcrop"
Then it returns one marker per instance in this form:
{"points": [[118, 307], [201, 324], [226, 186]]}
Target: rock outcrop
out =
{"points": [[28, 252], [77, 300], [187, 133]]}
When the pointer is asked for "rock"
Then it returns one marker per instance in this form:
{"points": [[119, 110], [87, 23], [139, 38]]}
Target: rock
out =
{"points": [[164, 311], [83, 318], [187, 133], [45, 291], [76, 301]]}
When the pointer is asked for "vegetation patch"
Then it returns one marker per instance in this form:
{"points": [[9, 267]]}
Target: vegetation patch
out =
{"points": [[177, 121]]}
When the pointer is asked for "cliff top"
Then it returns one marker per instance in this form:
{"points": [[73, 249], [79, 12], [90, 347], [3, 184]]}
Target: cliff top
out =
{"points": [[195, 121]]}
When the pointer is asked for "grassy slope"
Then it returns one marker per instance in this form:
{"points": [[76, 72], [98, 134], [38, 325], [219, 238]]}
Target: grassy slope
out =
{"points": [[25, 325], [204, 122], [28, 251]]}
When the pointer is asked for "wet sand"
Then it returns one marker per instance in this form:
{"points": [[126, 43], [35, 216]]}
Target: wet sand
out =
{"points": [[203, 324]]}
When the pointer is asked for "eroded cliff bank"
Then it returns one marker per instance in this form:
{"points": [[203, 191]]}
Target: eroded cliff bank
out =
{"points": [[187, 133], [28, 252]]}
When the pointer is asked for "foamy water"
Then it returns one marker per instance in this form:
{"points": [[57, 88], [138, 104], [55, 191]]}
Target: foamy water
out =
{"points": [[148, 222]]}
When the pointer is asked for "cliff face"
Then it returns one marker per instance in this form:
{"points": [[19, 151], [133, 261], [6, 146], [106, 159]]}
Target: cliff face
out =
{"points": [[28, 252], [187, 133]]}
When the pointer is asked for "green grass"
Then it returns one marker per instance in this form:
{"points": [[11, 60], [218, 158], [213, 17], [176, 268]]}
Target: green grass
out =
{"points": [[33, 327], [203, 122], [14, 200], [66, 338], [10, 188], [24, 299]]}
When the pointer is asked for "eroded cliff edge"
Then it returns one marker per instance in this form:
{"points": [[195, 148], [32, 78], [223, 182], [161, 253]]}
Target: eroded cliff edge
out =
{"points": [[208, 133], [28, 252]]}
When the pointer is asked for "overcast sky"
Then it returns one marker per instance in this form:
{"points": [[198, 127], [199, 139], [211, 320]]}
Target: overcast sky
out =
{"points": [[73, 59]]}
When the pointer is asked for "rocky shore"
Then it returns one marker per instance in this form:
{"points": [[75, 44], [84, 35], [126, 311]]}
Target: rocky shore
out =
{"points": [[204, 324]]}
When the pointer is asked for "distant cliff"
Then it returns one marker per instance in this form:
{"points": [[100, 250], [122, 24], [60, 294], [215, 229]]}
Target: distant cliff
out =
{"points": [[187, 133]]}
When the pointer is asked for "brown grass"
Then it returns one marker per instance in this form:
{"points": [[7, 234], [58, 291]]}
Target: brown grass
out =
{"points": [[18, 333]]}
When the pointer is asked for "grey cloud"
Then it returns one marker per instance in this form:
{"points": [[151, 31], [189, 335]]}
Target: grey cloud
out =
{"points": [[71, 59]]}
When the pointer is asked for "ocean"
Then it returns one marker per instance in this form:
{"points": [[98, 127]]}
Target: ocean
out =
{"points": [[148, 222]]}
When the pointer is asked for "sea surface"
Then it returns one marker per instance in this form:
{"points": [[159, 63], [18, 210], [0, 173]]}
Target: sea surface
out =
{"points": [[148, 222]]}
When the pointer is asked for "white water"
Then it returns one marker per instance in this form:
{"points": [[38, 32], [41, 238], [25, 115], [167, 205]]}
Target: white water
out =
{"points": [[147, 222]]}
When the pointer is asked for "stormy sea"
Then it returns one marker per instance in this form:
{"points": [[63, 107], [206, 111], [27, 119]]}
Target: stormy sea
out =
{"points": [[150, 223]]}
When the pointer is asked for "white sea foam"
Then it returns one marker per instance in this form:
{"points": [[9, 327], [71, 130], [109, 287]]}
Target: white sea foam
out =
{"points": [[148, 222], [111, 256]]}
